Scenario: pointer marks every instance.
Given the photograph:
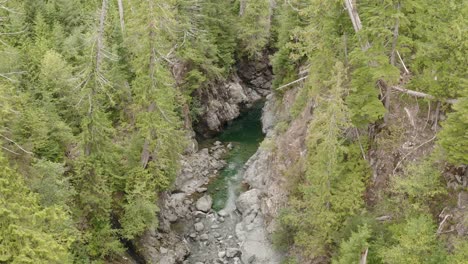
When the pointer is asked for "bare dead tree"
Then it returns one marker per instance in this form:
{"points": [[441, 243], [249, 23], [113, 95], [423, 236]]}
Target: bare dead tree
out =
{"points": [[388, 91], [243, 4], [354, 16], [97, 71], [121, 15], [421, 95], [363, 259]]}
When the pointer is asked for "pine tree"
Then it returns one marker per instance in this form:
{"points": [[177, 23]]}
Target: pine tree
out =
{"points": [[254, 27], [454, 135], [159, 130], [351, 250], [416, 243], [30, 233], [332, 189]]}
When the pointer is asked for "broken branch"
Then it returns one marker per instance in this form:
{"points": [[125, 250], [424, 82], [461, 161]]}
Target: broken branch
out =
{"points": [[16, 144]]}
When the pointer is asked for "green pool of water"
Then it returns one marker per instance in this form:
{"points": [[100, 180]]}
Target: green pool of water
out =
{"points": [[245, 133]]}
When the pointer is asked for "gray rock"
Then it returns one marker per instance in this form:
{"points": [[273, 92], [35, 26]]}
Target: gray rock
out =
{"points": [[199, 214], [214, 226], [462, 199], [171, 217], [232, 252], [268, 115], [204, 237], [221, 254], [163, 250], [199, 226], [222, 213], [204, 203], [248, 200]]}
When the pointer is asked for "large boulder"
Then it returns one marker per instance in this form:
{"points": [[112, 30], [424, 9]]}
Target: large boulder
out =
{"points": [[233, 252], [248, 200], [204, 203]]}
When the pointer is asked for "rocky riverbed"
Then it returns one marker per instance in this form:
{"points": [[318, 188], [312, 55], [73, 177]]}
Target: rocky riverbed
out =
{"points": [[193, 227]]}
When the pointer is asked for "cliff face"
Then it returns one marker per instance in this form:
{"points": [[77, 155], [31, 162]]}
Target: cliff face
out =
{"points": [[408, 138], [279, 155], [222, 102]]}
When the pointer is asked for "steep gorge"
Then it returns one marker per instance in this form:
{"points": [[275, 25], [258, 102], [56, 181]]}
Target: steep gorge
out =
{"points": [[220, 131], [189, 230]]}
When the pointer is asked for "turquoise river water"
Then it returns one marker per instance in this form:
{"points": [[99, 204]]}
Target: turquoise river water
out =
{"points": [[245, 133]]}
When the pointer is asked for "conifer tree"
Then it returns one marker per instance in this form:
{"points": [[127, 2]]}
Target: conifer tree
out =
{"points": [[351, 251], [30, 233], [254, 29], [415, 243], [453, 137]]}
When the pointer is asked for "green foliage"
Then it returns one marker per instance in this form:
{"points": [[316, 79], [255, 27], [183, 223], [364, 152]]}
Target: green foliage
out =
{"points": [[289, 27], [49, 181], [254, 27], [139, 216], [29, 232], [436, 47], [209, 53], [335, 176], [419, 184], [363, 101], [415, 242], [454, 135], [460, 252], [90, 134], [351, 250]]}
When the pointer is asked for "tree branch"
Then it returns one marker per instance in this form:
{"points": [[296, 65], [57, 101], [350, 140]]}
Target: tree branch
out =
{"points": [[121, 15], [422, 95], [16, 144], [407, 154], [291, 83], [9, 150]]}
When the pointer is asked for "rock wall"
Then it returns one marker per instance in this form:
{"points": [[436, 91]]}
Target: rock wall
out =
{"points": [[224, 101], [265, 174]]}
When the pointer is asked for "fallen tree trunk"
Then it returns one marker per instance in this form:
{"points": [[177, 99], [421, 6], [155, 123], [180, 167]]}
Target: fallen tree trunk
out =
{"points": [[422, 95]]}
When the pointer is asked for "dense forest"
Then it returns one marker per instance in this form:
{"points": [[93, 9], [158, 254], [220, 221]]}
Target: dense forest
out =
{"points": [[98, 99]]}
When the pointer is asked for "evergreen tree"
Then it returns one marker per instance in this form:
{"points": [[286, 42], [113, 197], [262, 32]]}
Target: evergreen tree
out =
{"points": [[416, 243], [351, 250], [254, 27], [29, 232], [453, 137]]}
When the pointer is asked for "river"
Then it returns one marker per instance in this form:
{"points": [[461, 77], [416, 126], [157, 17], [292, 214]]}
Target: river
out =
{"points": [[217, 241]]}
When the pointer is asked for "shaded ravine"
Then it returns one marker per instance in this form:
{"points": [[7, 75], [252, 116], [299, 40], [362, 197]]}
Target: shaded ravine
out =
{"points": [[244, 135], [212, 236]]}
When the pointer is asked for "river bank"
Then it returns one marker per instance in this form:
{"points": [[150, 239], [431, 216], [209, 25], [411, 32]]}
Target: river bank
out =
{"points": [[213, 216]]}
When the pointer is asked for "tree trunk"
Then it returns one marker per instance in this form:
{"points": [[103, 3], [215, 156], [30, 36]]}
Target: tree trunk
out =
{"points": [[421, 95], [388, 90], [97, 69], [364, 257], [395, 38], [121, 15], [99, 41], [353, 14], [243, 4]]}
